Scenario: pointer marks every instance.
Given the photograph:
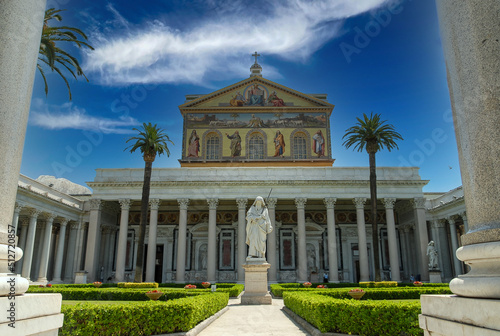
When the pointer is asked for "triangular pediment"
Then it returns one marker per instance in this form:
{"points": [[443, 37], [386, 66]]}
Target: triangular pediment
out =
{"points": [[255, 93]]}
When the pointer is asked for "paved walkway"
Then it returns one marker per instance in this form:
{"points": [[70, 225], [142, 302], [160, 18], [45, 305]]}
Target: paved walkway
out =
{"points": [[241, 320]]}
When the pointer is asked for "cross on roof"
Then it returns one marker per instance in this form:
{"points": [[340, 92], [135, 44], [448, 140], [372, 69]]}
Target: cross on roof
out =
{"points": [[255, 55]]}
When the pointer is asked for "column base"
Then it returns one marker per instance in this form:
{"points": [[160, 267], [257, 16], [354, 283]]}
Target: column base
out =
{"points": [[81, 277], [450, 315], [483, 280], [13, 284], [256, 292], [31, 314]]}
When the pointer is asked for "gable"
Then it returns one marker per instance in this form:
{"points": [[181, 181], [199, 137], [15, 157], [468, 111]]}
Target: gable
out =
{"points": [[254, 93]]}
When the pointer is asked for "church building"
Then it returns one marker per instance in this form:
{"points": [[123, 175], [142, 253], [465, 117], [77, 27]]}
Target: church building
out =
{"points": [[253, 138]]}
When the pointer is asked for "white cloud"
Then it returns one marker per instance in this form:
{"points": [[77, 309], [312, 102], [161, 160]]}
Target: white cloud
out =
{"points": [[157, 53], [69, 116]]}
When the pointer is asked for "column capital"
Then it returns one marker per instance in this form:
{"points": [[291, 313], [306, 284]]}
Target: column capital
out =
{"points": [[330, 202], [34, 213], [437, 223], [74, 225], [300, 202], [19, 206], [389, 203], [359, 202], [24, 221], [154, 203], [183, 203], [95, 204], [450, 220], [49, 217], [64, 222], [419, 203], [271, 203], [124, 203], [242, 203], [212, 203]]}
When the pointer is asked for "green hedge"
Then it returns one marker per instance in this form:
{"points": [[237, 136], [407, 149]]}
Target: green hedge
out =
{"points": [[116, 294], [144, 318], [367, 318], [137, 285], [233, 289], [378, 284]]}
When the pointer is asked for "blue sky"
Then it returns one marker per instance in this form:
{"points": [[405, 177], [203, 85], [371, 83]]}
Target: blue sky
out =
{"points": [[383, 56]]}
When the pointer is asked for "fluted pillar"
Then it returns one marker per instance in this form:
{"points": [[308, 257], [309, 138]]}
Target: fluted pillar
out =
{"points": [[407, 265], [332, 239], [70, 258], [153, 223], [423, 238], [93, 240], [242, 246], [212, 239], [391, 236], [44, 259], [15, 218], [30, 243], [79, 254], [301, 241], [454, 245], [181, 240], [121, 250], [60, 251], [364, 270], [271, 241]]}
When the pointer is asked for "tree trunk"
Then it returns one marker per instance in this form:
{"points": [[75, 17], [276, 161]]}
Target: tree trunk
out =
{"points": [[373, 197], [144, 218]]}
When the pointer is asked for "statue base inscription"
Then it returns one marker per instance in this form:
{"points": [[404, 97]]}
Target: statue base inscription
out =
{"points": [[256, 292], [435, 276]]}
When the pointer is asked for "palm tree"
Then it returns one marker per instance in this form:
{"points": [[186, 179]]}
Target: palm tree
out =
{"points": [[55, 57], [151, 141], [372, 134]]}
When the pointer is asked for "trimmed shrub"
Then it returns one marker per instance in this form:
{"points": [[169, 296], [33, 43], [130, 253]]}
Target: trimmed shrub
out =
{"points": [[137, 285], [373, 284], [144, 318], [368, 318]]}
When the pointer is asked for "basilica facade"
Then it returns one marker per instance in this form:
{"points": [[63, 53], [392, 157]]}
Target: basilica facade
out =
{"points": [[253, 138]]}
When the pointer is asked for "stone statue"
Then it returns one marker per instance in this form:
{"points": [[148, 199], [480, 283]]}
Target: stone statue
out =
{"points": [[433, 255], [258, 226]]}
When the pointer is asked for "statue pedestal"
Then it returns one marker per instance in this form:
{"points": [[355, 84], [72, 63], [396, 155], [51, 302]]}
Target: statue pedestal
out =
{"points": [[256, 292], [435, 276]]}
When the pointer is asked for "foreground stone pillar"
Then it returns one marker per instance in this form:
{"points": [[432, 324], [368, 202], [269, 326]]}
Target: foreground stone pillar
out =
{"points": [[271, 241], [181, 241], [391, 236], [153, 223], [242, 246], [121, 250], [44, 259], [212, 239], [301, 241], [60, 252], [364, 271], [332, 240], [470, 33]]}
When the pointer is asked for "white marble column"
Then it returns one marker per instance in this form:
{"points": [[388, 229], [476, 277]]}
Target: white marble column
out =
{"points": [[30, 243], [454, 245], [79, 254], [153, 223], [22, 243], [15, 218], [364, 271], [242, 246], [464, 219], [44, 259], [423, 238], [407, 266], [60, 252], [121, 250], [21, 25], [70, 258], [391, 236], [108, 263], [332, 240], [93, 239], [181, 240], [271, 241], [212, 239], [301, 241]]}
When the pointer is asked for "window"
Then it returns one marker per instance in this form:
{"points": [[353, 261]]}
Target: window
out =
{"points": [[299, 146], [256, 147], [213, 146]]}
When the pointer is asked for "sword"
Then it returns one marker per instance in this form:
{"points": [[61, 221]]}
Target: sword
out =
{"points": [[267, 200]]}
